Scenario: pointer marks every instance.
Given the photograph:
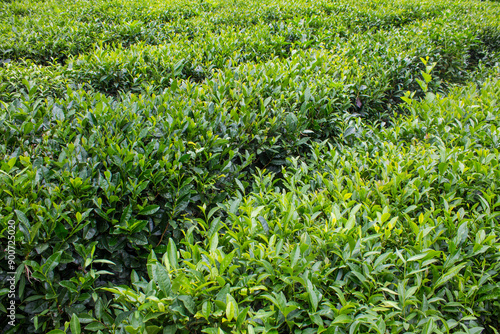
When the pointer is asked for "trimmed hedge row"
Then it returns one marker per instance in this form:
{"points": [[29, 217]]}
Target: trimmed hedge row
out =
{"points": [[127, 146], [110, 67], [397, 232], [53, 30]]}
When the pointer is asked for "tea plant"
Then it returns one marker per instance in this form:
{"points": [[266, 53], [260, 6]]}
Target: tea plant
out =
{"points": [[397, 232], [230, 166]]}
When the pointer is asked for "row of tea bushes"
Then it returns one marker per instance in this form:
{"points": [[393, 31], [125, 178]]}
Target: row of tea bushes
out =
{"points": [[392, 57], [376, 68], [122, 147], [89, 178], [26, 80], [397, 233], [125, 173], [111, 67], [52, 30]]}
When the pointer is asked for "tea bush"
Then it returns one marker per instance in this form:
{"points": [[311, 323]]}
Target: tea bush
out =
{"points": [[44, 32], [396, 232], [241, 166]]}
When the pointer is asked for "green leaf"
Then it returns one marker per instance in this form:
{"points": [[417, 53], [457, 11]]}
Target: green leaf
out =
{"points": [[495, 294], [341, 319], [449, 275], [295, 256], [172, 254], [85, 318], [125, 217], [61, 231], [58, 113], [51, 263], [214, 242], [417, 257], [429, 327], [22, 218], [427, 77], [313, 298], [184, 157], [178, 68], [226, 261], [289, 309], [461, 234], [149, 210], [94, 326], [264, 224], [221, 296], [162, 278], [75, 324], [153, 329], [188, 303], [307, 94], [240, 185], [242, 317], [99, 307], [170, 329], [104, 261], [206, 309], [231, 308]]}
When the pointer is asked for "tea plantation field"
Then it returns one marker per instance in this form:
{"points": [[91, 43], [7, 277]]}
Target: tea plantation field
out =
{"points": [[257, 166]]}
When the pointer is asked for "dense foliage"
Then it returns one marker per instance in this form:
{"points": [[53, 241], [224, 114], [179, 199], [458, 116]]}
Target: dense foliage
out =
{"points": [[251, 166]]}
